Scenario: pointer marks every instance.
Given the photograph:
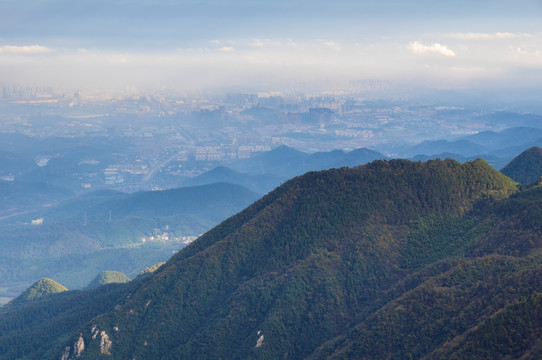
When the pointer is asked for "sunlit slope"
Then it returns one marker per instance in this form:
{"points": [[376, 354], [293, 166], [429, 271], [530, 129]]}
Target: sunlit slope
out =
{"points": [[303, 265], [526, 168]]}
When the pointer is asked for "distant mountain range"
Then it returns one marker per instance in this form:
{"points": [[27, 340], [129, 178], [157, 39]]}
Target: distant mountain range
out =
{"points": [[283, 162], [516, 136], [261, 183], [389, 260], [497, 148], [288, 162], [460, 147], [266, 171], [509, 119], [114, 219], [72, 162]]}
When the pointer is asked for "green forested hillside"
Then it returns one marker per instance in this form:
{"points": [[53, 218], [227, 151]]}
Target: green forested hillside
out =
{"points": [[394, 259], [525, 168], [108, 277], [39, 289], [36, 329]]}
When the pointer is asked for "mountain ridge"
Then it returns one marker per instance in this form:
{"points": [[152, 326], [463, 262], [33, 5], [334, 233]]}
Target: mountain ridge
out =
{"points": [[277, 254], [526, 168], [387, 260]]}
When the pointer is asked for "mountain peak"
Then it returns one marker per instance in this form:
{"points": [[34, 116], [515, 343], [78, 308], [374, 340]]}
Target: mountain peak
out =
{"points": [[526, 168], [108, 277], [297, 244], [377, 261], [40, 288]]}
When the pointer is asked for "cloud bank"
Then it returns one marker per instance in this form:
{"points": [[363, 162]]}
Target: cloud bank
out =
{"points": [[279, 63], [25, 49], [418, 48]]}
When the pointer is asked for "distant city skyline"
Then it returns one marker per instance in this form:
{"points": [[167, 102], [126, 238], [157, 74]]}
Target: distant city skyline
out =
{"points": [[255, 45]]}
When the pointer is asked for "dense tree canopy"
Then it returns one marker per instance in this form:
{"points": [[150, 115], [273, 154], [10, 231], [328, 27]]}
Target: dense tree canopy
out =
{"points": [[394, 259]]}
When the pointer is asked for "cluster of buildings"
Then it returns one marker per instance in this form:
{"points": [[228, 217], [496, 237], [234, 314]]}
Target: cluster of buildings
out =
{"points": [[164, 236], [165, 127]]}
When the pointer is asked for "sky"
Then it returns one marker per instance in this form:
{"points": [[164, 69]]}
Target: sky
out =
{"points": [[270, 45]]}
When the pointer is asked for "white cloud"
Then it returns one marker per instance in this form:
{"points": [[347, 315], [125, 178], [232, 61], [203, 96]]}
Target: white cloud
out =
{"points": [[25, 50], [264, 60], [418, 48]]}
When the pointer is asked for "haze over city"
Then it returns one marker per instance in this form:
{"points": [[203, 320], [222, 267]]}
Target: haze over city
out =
{"points": [[262, 46], [288, 179]]}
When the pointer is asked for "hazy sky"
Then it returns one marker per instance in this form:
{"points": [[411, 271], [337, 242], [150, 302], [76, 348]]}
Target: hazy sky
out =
{"points": [[189, 44]]}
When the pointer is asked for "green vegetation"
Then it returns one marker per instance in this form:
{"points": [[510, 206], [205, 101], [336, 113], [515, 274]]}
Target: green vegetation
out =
{"points": [[527, 167], [77, 270], [36, 329], [40, 288], [394, 259], [150, 270], [108, 277], [514, 332], [122, 232]]}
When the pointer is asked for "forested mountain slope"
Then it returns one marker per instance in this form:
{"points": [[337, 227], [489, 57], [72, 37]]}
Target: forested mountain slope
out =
{"points": [[394, 259], [526, 168]]}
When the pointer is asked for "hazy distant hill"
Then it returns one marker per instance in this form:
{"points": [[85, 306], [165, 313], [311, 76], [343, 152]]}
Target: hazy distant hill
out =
{"points": [[511, 119], [439, 156], [212, 202], [282, 161], [392, 259], [526, 168], [497, 148], [264, 172], [123, 232], [495, 161], [258, 183], [360, 156], [75, 207], [460, 147], [287, 162], [18, 196], [516, 137]]}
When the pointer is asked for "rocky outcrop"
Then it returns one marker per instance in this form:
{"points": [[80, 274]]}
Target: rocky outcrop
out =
{"points": [[74, 351], [105, 342], [259, 342]]}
